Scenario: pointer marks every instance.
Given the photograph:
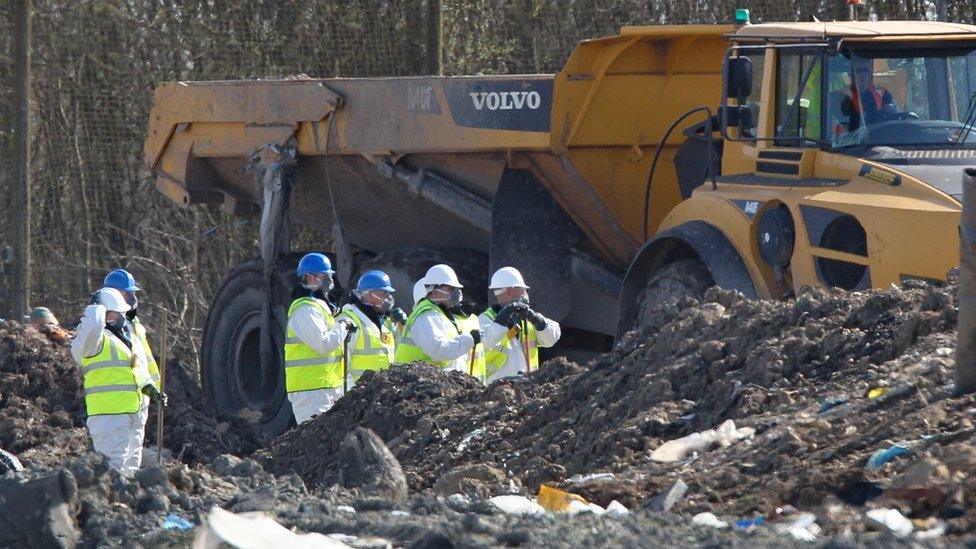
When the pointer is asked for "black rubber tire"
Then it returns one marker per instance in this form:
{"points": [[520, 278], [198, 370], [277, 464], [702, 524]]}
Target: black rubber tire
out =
{"points": [[405, 266], [230, 370], [672, 282]]}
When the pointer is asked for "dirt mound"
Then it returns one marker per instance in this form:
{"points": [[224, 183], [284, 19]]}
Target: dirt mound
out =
{"points": [[42, 410], [42, 416], [877, 363]]}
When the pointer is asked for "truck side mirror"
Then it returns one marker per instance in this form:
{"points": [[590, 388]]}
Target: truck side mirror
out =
{"points": [[738, 77]]}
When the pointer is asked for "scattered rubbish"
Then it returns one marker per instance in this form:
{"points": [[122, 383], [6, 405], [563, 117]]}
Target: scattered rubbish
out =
{"points": [[880, 457], [468, 438], [458, 500], [346, 509], [554, 499], [750, 523], [254, 530], [667, 499], [891, 520], [9, 462], [581, 479], [708, 519], [802, 527], [934, 532], [517, 505], [877, 392], [617, 509], [399, 513], [832, 403], [725, 435], [176, 522], [360, 543]]}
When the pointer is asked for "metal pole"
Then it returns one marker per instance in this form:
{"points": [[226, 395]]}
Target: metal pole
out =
{"points": [[966, 327], [435, 39], [162, 384], [22, 139]]}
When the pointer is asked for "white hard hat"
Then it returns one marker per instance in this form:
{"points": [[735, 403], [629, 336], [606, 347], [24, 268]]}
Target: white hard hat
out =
{"points": [[442, 275], [419, 291], [112, 300], [507, 277]]}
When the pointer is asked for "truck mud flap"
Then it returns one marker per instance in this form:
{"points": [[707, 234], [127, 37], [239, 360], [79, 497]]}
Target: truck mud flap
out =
{"points": [[532, 233]]}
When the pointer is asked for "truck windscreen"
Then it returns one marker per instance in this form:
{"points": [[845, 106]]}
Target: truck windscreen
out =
{"points": [[901, 97]]}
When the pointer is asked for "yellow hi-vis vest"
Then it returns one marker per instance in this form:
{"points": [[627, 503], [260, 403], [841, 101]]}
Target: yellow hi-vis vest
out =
{"points": [[407, 351], [370, 349], [496, 357], [110, 385], [140, 335], [305, 368]]}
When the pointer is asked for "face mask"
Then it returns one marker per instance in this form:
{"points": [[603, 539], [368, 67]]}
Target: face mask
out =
{"points": [[453, 297], [118, 323], [320, 284], [383, 306]]}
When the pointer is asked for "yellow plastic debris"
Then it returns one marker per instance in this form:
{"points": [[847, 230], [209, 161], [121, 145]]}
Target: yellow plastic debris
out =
{"points": [[554, 499], [877, 391]]}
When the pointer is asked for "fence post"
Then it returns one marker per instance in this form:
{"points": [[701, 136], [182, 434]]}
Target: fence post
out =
{"points": [[966, 327], [20, 302], [435, 39]]}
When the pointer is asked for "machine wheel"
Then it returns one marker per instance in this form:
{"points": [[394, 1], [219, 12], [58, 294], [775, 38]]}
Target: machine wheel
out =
{"points": [[676, 280], [231, 371], [405, 266]]}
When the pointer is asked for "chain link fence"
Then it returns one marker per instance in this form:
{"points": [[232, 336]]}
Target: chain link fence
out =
{"points": [[95, 64]]}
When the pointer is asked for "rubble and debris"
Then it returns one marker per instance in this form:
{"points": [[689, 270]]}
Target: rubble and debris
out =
{"points": [[591, 431], [725, 435], [891, 520], [882, 456]]}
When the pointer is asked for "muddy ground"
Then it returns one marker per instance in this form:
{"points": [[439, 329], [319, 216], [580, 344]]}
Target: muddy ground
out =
{"points": [[824, 381]]}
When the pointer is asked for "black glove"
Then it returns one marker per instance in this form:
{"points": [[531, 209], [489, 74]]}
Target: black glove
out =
{"points": [[398, 315], [536, 319], [476, 336], [349, 324], [155, 396], [507, 316]]}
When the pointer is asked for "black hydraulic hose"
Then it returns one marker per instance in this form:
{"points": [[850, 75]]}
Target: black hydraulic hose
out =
{"points": [[660, 148]]}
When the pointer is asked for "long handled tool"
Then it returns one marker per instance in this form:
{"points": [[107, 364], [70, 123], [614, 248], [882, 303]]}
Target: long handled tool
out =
{"points": [[471, 361], [162, 383], [345, 362], [525, 345]]}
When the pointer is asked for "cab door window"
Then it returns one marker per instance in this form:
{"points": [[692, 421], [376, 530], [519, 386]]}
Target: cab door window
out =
{"points": [[806, 119]]}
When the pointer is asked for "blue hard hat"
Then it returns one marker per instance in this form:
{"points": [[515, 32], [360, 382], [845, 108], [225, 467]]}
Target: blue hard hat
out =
{"points": [[314, 263], [122, 280], [374, 280]]}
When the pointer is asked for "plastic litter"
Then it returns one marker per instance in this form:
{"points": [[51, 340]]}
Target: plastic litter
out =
{"points": [[880, 457], [9, 462], [176, 522], [708, 519], [346, 509], [936, 531], [892, 520], [582, 479], [399, 513], [254, 530], [517, 505], [468, 438], [803, 527], [832, 403], [750, 523], [617, 509], [554, 499], [877, 392], [725, 435]]}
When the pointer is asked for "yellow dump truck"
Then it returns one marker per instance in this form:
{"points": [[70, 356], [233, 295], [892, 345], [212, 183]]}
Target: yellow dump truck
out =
{"points": [[657, 163]]}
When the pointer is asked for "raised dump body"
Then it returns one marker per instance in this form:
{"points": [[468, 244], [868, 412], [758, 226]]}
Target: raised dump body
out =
{"points": [[536, 171]]}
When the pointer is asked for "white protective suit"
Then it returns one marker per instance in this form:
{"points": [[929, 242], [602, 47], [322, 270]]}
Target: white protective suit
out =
{"points": [[309, 325], [117, 436], [434, 334], [494, 333]]}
